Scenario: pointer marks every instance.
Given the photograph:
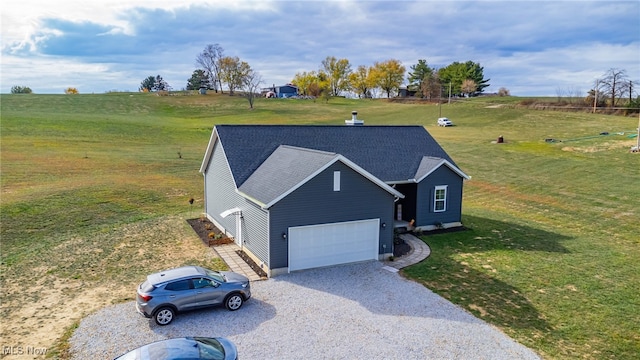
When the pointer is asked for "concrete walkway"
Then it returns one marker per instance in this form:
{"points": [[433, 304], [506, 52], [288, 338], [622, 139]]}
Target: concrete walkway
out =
{"points": [[235, 263], [419, 251]]}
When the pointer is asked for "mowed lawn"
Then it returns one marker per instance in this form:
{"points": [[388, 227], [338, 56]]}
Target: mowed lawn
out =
{"points": [[96, 188]]}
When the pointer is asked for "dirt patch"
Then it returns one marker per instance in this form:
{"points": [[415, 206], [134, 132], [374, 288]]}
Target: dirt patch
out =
{"points": [[81, 275], [604, 146]]}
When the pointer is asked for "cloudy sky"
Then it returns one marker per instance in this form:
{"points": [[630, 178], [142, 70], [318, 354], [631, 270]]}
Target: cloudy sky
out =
{"points": [[529, 47]]}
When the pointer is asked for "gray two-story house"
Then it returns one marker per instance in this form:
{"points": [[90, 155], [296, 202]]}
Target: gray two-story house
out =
{"points": [[297, 197]]}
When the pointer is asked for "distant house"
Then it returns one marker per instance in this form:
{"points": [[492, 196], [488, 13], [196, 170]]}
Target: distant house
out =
{"points": [[283, 91], [297, 197], [404, 92]]}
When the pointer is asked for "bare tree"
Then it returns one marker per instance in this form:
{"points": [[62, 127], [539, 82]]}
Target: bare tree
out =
{"points": [[575, 94], [503, 91], [209, 60], [431, 87], [615, 83], [251, 84], [560, 93], [468, 87]]}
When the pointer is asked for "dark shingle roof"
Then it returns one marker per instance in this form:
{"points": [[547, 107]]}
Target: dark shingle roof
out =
{"points": [[390, 153], [285, 168]]}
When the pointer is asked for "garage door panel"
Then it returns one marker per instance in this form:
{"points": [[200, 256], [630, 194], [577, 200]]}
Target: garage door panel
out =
{"points": [[330, 244]]}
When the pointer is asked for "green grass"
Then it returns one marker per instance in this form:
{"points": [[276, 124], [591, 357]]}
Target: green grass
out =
{"points": [[95, 192]]}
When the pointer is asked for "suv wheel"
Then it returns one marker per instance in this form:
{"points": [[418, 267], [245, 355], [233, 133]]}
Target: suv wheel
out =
{"points": [[234, 302], [164, 316]]}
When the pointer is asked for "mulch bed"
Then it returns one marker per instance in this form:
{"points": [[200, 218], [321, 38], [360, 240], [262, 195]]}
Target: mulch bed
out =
{"points": [[204, 227], [251, 263], [400, 247]]}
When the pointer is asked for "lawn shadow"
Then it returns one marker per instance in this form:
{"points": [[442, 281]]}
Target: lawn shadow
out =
{"points": [[482, 234], [461, 269]]}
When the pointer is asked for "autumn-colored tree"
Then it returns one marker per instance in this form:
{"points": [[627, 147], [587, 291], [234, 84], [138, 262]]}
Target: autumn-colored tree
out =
{"points": [[71, 91], [363, 80], [304, 80], [337, 72], [390, 75], [232, 72], [312, 83]]}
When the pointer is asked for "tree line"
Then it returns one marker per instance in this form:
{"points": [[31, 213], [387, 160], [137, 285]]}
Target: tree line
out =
{"points": [[215, 69], [334, 77]]}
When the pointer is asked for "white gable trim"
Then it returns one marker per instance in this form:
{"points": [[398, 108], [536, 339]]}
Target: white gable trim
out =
{"points": [[447, 164], [209, 151]]}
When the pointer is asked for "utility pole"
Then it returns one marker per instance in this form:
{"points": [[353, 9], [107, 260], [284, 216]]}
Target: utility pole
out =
{"points": [[595, 97], [440, 103], [449, 92], [638, 137]]}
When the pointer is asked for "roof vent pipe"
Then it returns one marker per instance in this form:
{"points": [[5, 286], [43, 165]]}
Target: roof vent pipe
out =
{"points": [[354, 119]]}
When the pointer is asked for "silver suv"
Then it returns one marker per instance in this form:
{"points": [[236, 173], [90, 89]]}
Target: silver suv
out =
{"points": [[188, 288]]}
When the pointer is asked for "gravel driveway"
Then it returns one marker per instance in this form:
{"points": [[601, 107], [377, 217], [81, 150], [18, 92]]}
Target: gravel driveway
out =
{"points": [[358, 311]]}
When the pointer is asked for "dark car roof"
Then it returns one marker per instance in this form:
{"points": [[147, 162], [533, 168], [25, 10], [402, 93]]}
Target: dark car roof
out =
{"points": [[185, 348], [173, 274]]}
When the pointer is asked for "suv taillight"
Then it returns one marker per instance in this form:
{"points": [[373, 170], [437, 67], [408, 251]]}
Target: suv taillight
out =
{"points": [[145, 297]]}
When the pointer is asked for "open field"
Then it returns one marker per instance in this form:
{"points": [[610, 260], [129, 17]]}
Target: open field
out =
{"points": [[95, 190]]}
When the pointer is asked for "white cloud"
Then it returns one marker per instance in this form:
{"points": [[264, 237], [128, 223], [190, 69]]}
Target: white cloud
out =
{"points": [[114, 44]]}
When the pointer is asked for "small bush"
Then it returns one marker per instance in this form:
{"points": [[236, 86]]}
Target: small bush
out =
{"points": [[71, 90], [21, 90]]}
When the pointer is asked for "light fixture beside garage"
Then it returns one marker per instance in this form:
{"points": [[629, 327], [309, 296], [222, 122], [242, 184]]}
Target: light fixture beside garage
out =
{"points": [[284, 236], [383, 225]]}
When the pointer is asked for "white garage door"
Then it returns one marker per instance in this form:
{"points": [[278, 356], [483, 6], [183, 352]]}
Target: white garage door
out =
{"points": [[330, 244]]}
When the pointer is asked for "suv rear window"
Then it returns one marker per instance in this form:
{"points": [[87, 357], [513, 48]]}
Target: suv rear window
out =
{"points": [[146, 287], [180, 285]]}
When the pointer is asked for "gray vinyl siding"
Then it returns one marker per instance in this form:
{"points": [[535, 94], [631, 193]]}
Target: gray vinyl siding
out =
{"points": [[316, 203], [221, 195], [425, 214]]}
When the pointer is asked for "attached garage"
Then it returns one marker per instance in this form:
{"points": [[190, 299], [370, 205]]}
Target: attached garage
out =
{"points": [[331, 244]]}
